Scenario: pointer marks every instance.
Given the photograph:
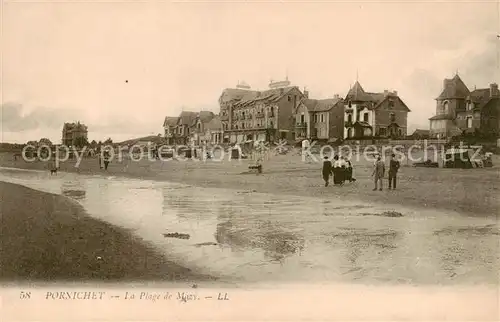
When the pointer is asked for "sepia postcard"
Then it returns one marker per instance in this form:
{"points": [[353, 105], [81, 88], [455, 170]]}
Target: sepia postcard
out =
{"points": [[249, 160]]}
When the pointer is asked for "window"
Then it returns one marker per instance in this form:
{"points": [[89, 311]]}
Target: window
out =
{"points": [[316, 118], [365, 117], [392, 117], [469, 122], [289, 98], [382, 131], [391, 104], [349, 118], [349, 104], [322, 117], [445, 107], [302, 119]]}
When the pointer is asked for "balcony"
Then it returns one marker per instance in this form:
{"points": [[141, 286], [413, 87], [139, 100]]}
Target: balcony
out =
{"points": [[300, 125]]}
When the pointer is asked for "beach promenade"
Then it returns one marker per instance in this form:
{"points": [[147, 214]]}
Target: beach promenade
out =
{"points": [[469, 191]]}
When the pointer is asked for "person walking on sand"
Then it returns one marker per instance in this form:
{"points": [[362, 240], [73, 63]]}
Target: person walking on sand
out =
{"points": [[393, 171], [378, 172], [327, 170], [336, 171]]}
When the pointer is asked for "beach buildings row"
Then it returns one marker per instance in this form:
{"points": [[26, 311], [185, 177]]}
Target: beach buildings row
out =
{"points": [[193, 128], [286, 112]]}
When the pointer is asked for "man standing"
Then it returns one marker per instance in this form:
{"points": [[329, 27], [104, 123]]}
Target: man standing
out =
{"points": [[393, 171], [378, 172], [327, 170]]}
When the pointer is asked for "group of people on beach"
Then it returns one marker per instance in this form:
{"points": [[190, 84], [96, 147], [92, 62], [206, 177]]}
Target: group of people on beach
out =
{"points": [[341, 169]]}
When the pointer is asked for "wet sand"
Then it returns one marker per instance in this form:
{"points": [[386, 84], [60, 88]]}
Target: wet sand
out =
{"points": [[46, 237], [470, 191]]}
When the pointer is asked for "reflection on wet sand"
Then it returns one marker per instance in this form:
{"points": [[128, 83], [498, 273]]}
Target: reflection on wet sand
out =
{"points": [[276, 243], [258, 237]]}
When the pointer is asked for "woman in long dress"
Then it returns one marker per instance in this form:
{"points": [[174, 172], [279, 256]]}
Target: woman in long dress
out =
{"points": [[336, 170]]}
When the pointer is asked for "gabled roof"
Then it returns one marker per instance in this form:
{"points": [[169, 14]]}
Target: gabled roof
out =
{"points": [[230, 94], [421, 132], [480, 97], [186, 118], [322, 105], [242, 97], [204, 117], [170, 121], [454, 88], [214, 124], [494, 101], [357, 94], [385, 97]]}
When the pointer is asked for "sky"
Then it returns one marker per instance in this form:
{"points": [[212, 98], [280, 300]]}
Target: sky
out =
{"points": [[120, 67]]}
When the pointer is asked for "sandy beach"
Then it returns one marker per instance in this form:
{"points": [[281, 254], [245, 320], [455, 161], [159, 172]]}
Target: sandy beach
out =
{"points": [[47, 237], [470, 191]]}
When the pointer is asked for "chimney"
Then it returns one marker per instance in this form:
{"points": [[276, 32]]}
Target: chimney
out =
{"points": [[494, 90], [395, 93], [306, 93], [386, 92], [336, 96]]}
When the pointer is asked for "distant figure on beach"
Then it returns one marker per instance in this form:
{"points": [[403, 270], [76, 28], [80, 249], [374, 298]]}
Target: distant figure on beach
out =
{"points": [[378, 172], [327, 170], [305, 146], [106, 159], [99, 159], [349, 170], [393, 171]]}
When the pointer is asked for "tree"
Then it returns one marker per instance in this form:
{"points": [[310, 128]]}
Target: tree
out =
{"points": [[108, 141], [93, 143]]}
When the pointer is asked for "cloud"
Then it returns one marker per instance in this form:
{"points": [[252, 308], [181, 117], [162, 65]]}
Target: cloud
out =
{"points": [[15, 118]]}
